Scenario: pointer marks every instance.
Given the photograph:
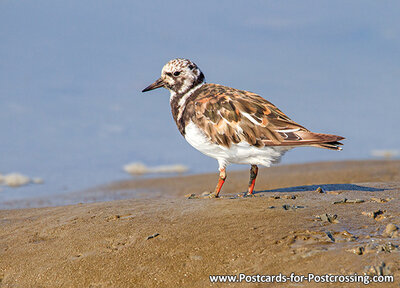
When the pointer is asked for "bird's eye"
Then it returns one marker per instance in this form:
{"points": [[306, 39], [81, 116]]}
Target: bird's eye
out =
{"points": [[191, 67], [177, 73]]}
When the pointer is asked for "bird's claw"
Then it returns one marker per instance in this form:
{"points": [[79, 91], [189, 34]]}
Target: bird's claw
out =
{"points": [[204, 195], [210, 196]]}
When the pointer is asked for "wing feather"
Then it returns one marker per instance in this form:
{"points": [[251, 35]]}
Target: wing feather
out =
{"points": [[228, 115]]}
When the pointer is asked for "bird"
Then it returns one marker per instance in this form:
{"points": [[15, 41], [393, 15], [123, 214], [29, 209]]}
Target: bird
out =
{"points": [[233, 126]]}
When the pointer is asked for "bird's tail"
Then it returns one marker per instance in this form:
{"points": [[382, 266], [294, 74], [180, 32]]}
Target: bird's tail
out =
{"points": [[328, 141], [330, 145]]}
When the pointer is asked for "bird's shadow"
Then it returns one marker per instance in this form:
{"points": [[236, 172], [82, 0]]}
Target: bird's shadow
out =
{"points": [[326, 187]]}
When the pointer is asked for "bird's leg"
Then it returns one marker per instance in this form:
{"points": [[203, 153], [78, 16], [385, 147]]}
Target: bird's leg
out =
{"points": [[253, 176], [221, 180]]}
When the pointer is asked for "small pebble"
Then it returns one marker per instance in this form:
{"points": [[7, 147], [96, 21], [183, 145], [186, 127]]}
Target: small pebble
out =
{"points": [[330, 236], [320, 190], [378, 270], [377, 215], [387, 247], [328, 218], [391, 231], [355, 201], [292, 207], [345, 200], [379, 200], [357, 250], [153, 236]]}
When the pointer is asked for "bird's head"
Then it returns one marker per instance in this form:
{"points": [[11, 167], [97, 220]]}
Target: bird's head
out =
{"points": [[179, 76]]}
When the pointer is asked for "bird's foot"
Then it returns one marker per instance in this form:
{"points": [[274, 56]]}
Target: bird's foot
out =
{"points": [[204, 195]]}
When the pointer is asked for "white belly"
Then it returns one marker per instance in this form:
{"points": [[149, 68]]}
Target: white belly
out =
{"points": [[241, 153]]}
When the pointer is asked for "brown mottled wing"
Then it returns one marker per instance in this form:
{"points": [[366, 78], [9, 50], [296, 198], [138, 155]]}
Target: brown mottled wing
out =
{"points": [[228, 115]]}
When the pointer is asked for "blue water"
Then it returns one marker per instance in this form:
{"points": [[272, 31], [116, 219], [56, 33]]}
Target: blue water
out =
{"points": [[71, 72]]}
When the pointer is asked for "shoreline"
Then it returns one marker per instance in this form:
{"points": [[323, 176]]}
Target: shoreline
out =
{"points": [[280, 176]]}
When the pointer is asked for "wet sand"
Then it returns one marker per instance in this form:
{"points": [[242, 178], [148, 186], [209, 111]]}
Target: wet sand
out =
{"points": [[163, 239]]}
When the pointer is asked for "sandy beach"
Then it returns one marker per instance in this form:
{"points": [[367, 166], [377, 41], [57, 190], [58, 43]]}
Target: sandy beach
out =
{"points": [[160, 238]]}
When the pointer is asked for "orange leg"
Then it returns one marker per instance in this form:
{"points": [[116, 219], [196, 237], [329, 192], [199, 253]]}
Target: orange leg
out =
{"points": [[253, 176], [221, 180]]}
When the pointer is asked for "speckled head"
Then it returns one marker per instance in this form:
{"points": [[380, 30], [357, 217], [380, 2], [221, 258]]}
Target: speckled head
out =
{"points": [[179, 76]]}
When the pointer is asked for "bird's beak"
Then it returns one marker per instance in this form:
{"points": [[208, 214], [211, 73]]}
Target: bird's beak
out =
{"points": [[157, 84]]}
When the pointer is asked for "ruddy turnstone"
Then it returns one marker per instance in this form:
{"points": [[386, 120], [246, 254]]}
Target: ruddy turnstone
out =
{"points": [[231, 125]]}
